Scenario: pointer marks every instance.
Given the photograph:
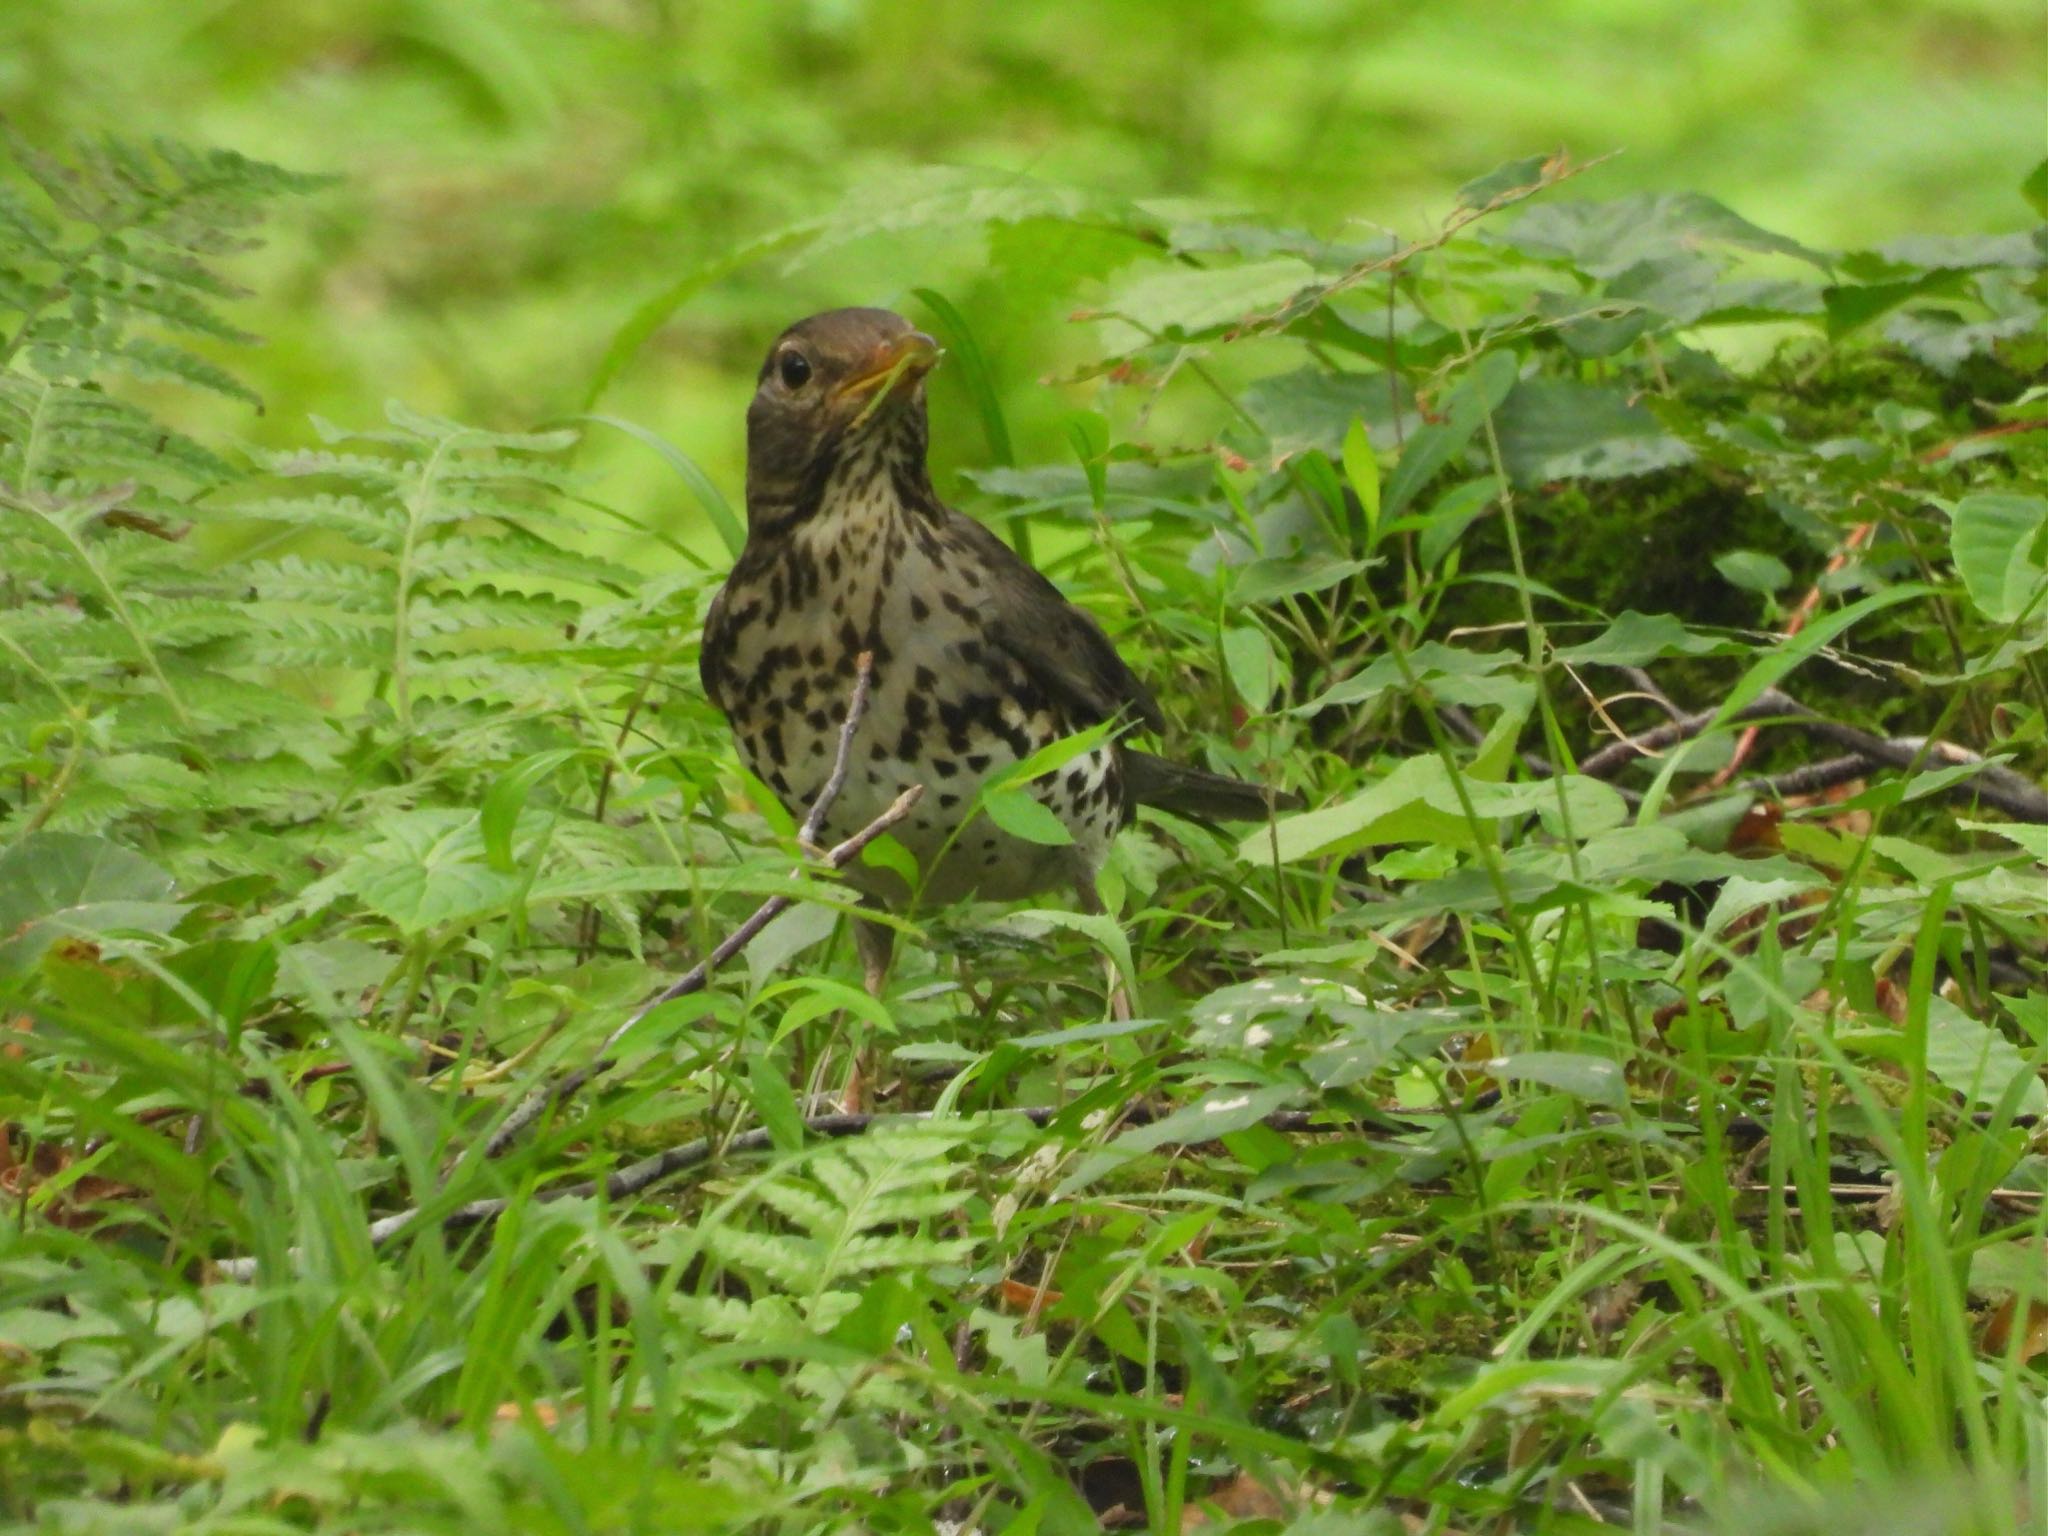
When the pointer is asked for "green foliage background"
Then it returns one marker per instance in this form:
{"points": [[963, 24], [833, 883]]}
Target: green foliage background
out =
{"points": [[519, 174], [1523, 1137]]}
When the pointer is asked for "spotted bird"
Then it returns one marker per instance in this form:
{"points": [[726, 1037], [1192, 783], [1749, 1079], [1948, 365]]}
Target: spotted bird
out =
{"points": [[978, 660]]}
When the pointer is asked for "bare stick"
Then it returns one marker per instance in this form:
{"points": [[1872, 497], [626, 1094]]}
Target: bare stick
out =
{"points": [[1996, 786], [1616, 755], [560, 1091]]}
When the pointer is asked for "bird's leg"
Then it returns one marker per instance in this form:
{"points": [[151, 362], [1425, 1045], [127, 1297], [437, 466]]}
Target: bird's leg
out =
{"points": [[876, 944], [1090, 902]]}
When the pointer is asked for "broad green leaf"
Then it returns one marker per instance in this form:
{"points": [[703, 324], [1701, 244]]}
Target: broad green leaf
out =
{"points": [[56, 885], [1504, 181], [1635, 638], [1269, 580], [1591, 804], [800, 928], [1312, 408], [1753, 571], [1997, 538], [1399, 808], [1456, 675], [2034, 839], [1444, 524], [1596, 1079], [1978, 1062], [1558, 429], [1188, 301], [1102, 929], [1216, 1114], [1607, 238], [1022, 815]]}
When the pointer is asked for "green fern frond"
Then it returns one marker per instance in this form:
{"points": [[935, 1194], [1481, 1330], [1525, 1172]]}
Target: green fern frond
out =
{"points": [[857, 1210], [127, 244]]}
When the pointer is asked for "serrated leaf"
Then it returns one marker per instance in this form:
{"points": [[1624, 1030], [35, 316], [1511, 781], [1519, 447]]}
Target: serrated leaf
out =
{"points": [[1183, 302]]}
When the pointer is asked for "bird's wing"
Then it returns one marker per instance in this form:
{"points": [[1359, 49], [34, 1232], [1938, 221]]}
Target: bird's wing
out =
{"points": [[711, 659], [1061, 648]]}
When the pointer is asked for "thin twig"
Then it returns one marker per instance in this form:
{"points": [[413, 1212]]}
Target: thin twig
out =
{"points": [[1746, 743], [1615, 756], [559, 1092], [1811, 778]]}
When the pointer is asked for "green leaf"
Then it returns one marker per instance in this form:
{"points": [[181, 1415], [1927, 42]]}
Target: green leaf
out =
{"points": [[1504, 181], [1444, 524], [56, 885], [1479, 394], [1996, 538], [1558, 429], [1362, 470], [506, 798], [2035, 189], [1182, 302], [1215, 1115], [1753, 571], [1596, 1079], [1635, 638], [2033, 838], [1395, 809], [1088, 434], [1607, 238], [1977, 1062], [774, 1101], [1778, 662], [1270, 579], [1313, 408], [1102, 929], [970, 366], [1254, 669], [1022, 815]]}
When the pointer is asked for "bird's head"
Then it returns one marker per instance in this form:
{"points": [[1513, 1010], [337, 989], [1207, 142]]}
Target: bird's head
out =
{"points": [[843, 385]]}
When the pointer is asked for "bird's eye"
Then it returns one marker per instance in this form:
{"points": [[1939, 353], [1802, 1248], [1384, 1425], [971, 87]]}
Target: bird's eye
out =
{"points": [[795, 369]]}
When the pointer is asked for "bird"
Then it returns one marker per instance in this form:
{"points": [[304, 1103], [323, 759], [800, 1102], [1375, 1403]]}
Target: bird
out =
{"points": [[977, 660]]}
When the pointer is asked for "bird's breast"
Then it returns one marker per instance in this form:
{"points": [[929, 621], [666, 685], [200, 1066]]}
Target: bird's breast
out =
{"points": [[947, 707]]}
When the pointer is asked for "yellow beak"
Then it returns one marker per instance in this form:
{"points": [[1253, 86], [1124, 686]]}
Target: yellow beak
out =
{"points": [[895, 367]]}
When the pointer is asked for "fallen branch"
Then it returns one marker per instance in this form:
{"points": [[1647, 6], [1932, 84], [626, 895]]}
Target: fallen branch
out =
{"points": [[1996, 786]]}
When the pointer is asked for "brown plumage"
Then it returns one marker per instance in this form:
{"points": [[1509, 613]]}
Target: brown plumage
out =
{"points": [[978, 659]]}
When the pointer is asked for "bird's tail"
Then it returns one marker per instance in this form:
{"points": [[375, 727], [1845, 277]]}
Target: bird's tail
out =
{"points": [[1199, 794]]}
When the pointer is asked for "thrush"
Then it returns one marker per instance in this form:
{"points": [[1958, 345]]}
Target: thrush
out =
{"points": [[977, 659]]}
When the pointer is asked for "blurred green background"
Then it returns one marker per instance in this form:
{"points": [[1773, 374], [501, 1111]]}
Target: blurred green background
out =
{"points": [[521, 174]]}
